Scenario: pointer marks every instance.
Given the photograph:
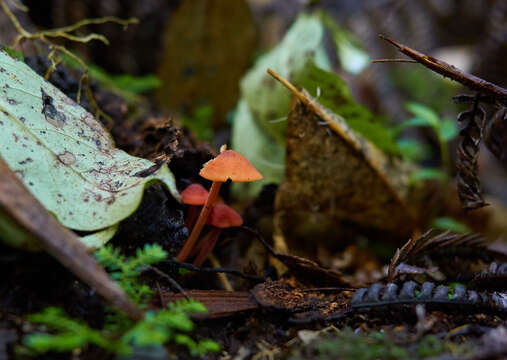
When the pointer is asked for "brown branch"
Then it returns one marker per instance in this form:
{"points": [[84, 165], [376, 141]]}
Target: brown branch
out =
{"points": [[471, 81]]}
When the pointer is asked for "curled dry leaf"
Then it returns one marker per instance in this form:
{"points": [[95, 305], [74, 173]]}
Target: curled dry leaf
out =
{"points": [[471, 122], [495, 135], [335, 175]]}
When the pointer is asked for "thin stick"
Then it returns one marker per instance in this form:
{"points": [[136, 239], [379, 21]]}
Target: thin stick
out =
{"points": [[232, 272], [471, 81], [393, 60], [221, 276], [171, 281]]}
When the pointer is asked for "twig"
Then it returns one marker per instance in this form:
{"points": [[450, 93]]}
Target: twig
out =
{"points": [[232, 272], [393, 60], [173, 282], [471, 81], [221, 276], [64, 32]]}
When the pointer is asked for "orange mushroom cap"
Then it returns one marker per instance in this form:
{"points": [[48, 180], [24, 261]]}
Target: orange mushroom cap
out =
{"points": [[222, 216], [230, 165], [194, 194]]}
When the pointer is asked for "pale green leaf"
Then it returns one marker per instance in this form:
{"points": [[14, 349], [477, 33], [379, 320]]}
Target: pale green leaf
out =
{"points": [[413, 150], [423, 112], [413, 122], [64, 156], [259, 148], [353, 58], [259, 124], [428, 174], [447, 223], [448, 129], [97, 239], [267, 99]]}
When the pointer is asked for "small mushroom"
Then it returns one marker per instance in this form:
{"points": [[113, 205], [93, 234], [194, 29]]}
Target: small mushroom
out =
{"points": [[220, 217], [227, 165], [194, 195]]}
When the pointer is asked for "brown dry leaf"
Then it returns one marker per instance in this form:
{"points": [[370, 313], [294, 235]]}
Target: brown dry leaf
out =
{"points": [[219, 303], [21, 214], [209, 45], [334, 175]]}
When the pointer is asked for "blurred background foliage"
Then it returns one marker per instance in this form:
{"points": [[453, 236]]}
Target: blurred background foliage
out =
{"points": [[203, 62]]}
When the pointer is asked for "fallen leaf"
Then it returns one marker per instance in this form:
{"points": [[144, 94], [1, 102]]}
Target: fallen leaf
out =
{"points": [[260, 121], [21, 214], [219, 303], [333, 175], [65, 157]]}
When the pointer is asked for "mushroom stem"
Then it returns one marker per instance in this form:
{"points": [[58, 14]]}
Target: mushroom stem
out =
{"points": [[208, 243], [191, 215], [201, 221]]}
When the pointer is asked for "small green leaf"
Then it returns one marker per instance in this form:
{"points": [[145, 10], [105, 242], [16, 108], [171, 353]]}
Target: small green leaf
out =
{"points": [[207, 346], [135, 84], [413, 150], [353, 58], [332, 92], [448, 129], [14, 53], [413, 122], [447, 223], [424, 112], [123, 83], [427, 174], [200, 123]]}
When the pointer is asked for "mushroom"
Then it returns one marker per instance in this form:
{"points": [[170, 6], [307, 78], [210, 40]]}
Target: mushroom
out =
{"points": [[220, 217], [227, 165], [194, 195]]}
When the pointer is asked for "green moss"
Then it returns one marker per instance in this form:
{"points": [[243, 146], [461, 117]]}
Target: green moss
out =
{"points": [[346, 344]]}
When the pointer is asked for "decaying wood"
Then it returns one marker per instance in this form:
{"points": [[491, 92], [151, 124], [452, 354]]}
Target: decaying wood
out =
{"points": [[22, 210]]}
